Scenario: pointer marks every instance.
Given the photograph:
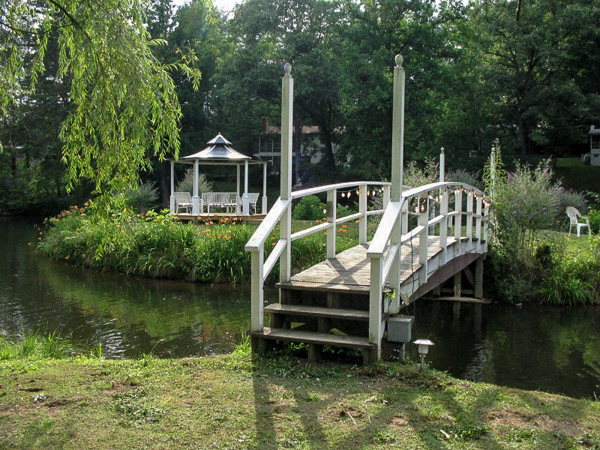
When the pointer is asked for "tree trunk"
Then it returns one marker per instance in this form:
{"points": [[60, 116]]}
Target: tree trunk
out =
{"points": [[329, 156], [523, 136]]}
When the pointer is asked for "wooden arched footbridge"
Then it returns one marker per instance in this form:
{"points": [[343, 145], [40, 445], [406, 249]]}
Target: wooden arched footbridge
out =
{"points": [[426, 236]]}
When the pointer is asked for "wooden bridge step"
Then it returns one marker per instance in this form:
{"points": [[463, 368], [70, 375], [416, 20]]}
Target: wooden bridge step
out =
{"points": [[308, 337], [312, 311]]}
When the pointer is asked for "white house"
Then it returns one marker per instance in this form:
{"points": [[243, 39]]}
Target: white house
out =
{"points": [[269, 145]]}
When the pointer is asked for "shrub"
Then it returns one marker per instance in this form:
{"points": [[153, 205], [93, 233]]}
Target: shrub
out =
{"points": [[156, 245], [142, 199], [569, 197], [343, 210], [309, 208], [525, 201], [572, 279], [464, 176], [415, 176], [522, 268], [594, 217], [187, 183]]}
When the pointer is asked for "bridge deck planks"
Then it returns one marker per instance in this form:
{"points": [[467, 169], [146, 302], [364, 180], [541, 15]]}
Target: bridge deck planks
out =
{"points": [[350, 270]]}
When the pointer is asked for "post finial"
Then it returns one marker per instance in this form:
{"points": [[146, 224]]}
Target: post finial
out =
{"points": [[399, 60], [287, 68], [442, 150]]}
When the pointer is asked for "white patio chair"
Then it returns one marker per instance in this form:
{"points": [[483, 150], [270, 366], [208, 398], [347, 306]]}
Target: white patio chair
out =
{"points": [[252, 201], [574, 220], [183, 200]]}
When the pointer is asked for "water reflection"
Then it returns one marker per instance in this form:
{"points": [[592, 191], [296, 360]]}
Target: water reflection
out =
{"points": [[128, 316], [545, 348], [552, 349]]}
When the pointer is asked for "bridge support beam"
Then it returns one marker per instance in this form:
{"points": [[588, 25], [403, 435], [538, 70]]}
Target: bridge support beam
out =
{"points": [[479, 278]]}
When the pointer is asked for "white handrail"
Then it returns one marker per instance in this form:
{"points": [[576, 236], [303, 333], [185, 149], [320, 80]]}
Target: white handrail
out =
{"points": [[267, 226], [414, 192], [384, 230], [329, 187]]}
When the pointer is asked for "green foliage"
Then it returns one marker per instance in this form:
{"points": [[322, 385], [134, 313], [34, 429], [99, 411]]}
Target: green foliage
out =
{"points": [[344, 210], [594, 217], [523, 268], [570, 279], [142, 199], [155, 245], [525, 201], [464, 176], [416, 175], [34, 345], [309, 208], [125, 105], [187, 183]]}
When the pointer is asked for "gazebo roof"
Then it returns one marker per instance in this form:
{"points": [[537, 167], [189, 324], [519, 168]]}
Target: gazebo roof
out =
{"points": [[219, 149]]}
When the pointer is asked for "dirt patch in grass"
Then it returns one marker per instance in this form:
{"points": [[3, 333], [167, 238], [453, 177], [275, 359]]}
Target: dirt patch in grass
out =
{"points": [[522, 420], [230, 401]]}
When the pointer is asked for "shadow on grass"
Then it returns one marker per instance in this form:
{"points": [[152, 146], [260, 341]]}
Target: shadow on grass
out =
{"points": [[331, 406]]}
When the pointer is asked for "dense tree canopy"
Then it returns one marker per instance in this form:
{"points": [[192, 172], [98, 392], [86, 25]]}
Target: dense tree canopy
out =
{"points": [[123, 105], [118, 91]]}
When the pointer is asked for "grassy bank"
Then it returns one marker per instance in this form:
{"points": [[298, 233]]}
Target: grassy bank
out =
{"points": [[576, 175], [233, 402], [158, 246]]}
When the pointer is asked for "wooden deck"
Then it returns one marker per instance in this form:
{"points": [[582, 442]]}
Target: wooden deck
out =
{"points": [[350, 271]]}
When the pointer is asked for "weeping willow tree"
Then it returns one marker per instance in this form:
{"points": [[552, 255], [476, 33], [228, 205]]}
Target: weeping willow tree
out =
{"points": [[123, 106]]}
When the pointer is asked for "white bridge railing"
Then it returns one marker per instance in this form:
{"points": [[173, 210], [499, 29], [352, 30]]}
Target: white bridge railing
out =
{"points": [[280, 214], [430, 204]]}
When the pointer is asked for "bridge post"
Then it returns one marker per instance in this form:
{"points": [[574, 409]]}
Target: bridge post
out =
{"points": [[478, 288], [287, 112], [398, 131], [362, 209], [331, 218], [458, 218], [424, 235], [375, 313], [386, 196], [469, 220], [444, 225], [257, 293], [478, 213]]}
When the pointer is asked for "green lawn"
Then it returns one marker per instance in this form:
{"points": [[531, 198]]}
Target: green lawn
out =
{"points": [[233, 402], [573, 244], [576, 175]]}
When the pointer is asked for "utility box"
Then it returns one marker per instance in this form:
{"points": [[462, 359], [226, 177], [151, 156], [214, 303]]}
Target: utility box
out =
{"points": [[400, 328]]}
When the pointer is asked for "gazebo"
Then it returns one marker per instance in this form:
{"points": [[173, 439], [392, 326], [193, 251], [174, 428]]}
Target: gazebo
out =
{"points": [[219, 152]]}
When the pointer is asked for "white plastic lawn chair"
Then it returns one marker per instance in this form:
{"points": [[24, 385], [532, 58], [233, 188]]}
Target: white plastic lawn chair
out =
{"points": [[183, 200], [575, 219]]}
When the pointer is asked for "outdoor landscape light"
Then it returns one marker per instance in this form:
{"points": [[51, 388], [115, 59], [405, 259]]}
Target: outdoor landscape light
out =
{"points": [[424, 345]]}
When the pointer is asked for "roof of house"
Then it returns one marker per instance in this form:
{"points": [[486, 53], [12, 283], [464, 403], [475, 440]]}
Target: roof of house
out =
{"points": [[594, 131]]}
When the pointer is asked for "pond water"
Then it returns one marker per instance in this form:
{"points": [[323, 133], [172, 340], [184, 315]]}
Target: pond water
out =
{"points": [[533, 347]]}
